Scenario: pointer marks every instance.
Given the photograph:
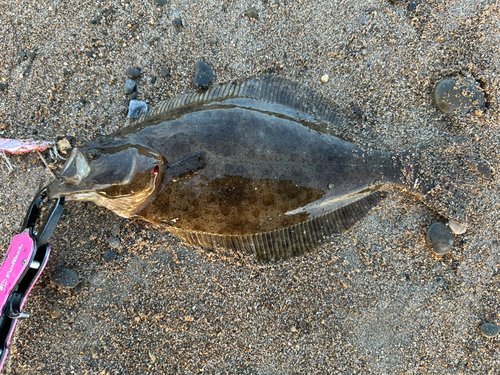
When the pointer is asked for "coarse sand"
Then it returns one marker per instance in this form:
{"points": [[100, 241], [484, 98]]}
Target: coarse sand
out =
{"points": [[374, 300]]}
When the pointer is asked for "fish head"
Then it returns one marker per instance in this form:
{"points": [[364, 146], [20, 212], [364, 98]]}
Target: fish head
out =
{"points": [[123, 178]]}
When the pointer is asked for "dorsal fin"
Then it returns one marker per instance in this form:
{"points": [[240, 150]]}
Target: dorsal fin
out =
{"points": [[300, 101], [290, 241]]}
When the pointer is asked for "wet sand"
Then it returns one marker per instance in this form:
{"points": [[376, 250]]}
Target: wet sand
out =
{"points": [[371, 301]]}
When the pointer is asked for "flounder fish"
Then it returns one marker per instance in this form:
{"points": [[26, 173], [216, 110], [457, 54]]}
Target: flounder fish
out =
{"points": [[263, 167]]}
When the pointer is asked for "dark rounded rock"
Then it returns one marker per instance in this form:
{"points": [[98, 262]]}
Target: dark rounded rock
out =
{"points": [[133, 72], [65, 278], [203, 75], [31, 54], [439, 238], [130, 86], [89, 54], [153, 80], [485, 170], [412, 6], [458, 95], [165, 72], [109, 256], [178, 22], [132, 96], [490, 329], [252, 13], [2, 86]]}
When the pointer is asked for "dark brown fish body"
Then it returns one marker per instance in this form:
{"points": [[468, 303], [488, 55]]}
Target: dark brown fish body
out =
{"points": [[247, 170]]}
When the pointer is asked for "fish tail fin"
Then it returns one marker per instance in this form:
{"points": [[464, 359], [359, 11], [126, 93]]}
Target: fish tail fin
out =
{"points": [[446, 176]]}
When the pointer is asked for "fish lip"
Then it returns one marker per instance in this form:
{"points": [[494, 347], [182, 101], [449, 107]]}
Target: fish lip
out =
{"points": [[59, 188], [82, 167]]}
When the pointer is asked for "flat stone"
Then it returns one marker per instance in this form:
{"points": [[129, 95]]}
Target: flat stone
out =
{"points": [[458, 95], [133, 72], [109, 256], [490, 329], [203, 75], [161, 2], [252, 13], [114, 242], [439, 238], [130, 86], [136, 108], [65, 278]]}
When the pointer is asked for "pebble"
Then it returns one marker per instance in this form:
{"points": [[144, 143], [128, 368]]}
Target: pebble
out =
{"points": [[153, 80], [458, 94], [55, 311], [115, 230], [2, 86], [161, 2], [203, 75], [132, 96], [439, 238], [133, 72], [178, 22], [65, 278], [412, 6], [135, 109], [130, 86], [325, 78], [31, 54], [398, 1], [165, 72], [114, 242], [252, 13], [490, 329], [212, 40], [485, 171], [89, 54], [109, 256], [63, 145], [457, 228]]}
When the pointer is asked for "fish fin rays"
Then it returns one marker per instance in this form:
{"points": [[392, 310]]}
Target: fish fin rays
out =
{"points": [[302, 101], [291, 241]]}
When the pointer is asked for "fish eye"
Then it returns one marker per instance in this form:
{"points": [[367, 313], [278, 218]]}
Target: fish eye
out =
{"points": [[93, 153]]}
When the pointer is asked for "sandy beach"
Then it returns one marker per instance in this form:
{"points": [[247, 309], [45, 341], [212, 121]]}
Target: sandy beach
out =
{"points": [[374, 300]]}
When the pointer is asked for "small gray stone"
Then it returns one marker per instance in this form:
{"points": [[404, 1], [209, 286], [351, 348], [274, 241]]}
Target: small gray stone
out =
{"points": [[212, 40], [130, 86], [252, 13], [458, 95], [114, 242], [2, 86], [439, 238], [203, 75], [109, 256], [161, 2], [135, 109], [485, 170], [133, 72], [133, 96], [412, 6], [31, 54], [65, 278], [153, 80], [490, 329], [165, 72], [178, 22]]}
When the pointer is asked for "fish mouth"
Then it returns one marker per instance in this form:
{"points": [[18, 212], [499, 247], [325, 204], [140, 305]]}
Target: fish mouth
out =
{"points": [[76, 169]]}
